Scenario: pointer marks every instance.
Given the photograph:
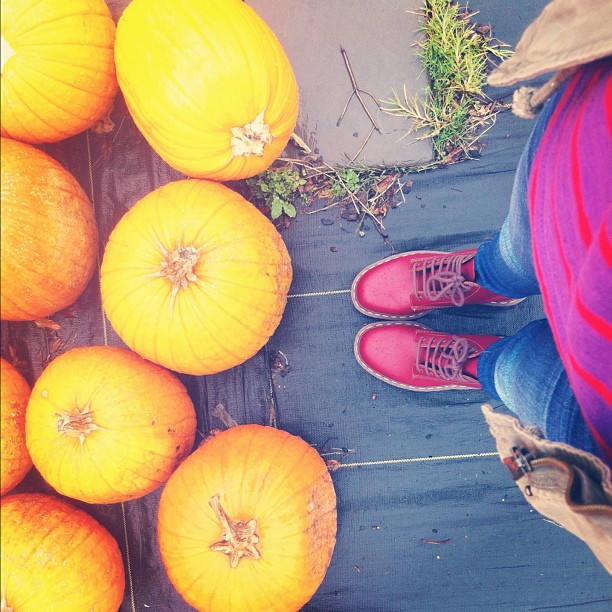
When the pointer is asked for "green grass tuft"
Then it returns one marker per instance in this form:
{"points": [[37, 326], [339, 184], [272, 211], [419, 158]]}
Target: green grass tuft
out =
{"points": [[456, 54]]}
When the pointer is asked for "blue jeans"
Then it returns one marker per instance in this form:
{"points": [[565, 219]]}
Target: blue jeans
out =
{"points": [[525, 371]]}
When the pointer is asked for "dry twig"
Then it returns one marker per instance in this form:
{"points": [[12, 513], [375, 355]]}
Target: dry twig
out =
{"points": [[357, 91]]}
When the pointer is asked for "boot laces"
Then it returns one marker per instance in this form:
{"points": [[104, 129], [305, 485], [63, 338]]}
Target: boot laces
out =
{"points": [[442, 357], [441, 277]]}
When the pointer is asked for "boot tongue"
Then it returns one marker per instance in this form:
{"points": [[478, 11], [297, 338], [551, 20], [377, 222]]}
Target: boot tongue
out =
{"points": [[467, 270], [470, 368]]}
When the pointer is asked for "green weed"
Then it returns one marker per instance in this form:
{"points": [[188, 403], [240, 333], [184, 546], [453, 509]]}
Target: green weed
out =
{"points": [[278, 189], [456, 54], [346, 180]]}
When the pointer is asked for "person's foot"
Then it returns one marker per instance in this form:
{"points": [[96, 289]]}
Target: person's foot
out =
{"points": [[409, 285], [411, 356]]}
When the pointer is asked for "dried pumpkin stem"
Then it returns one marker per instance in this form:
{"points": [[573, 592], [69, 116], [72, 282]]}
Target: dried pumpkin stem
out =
{"points": [[251, 138], [77, 423], [178, 267], [238, 538]]}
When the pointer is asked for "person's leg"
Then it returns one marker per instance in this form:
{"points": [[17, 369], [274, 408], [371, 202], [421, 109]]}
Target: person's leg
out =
{"points": [[525, 372], [499, 273], [504, 264]]}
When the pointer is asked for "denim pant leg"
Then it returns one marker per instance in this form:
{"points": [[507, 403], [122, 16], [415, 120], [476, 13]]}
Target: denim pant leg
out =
{"points": [[504, 264], [525, 372]]}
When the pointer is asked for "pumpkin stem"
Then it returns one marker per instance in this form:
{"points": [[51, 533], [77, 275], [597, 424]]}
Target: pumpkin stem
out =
{"points": [[251, 138], [178, 267], [78, 423], [7, 52], [238, 539]]}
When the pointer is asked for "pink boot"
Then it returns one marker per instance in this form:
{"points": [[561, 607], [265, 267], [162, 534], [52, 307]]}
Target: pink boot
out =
{"points": [[408, 285], [411, 356]]}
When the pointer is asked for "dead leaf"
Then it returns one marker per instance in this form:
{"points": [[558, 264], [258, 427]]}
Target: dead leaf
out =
{"points": [[48, 324], [20, 364], [56, 345], [332, 464], [323, 193], [223, 415], [484, 29], [386, 182], [105, 125], [279, 364]]}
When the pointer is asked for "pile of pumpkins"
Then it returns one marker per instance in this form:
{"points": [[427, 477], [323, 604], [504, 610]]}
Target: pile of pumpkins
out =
{"points": [[194, 279]]}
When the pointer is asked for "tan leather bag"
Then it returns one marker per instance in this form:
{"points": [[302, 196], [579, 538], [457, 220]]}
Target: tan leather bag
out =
{"points": [[565, 484], [567, 34]]}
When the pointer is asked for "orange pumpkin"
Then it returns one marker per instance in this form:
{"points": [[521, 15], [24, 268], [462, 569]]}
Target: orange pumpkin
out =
{"points": [[207, 83], [104, 426], [56, 557], [195, 278], [15, 460], [49, 235], [58, 72], [248, 522]]}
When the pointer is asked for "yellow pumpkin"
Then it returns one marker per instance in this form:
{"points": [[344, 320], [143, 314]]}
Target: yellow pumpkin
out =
{"points": [[103, 425], [195, 278], [248, 522], [58, 72], [207, 83], [15, 460], [57, 558], [49, 235]]}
